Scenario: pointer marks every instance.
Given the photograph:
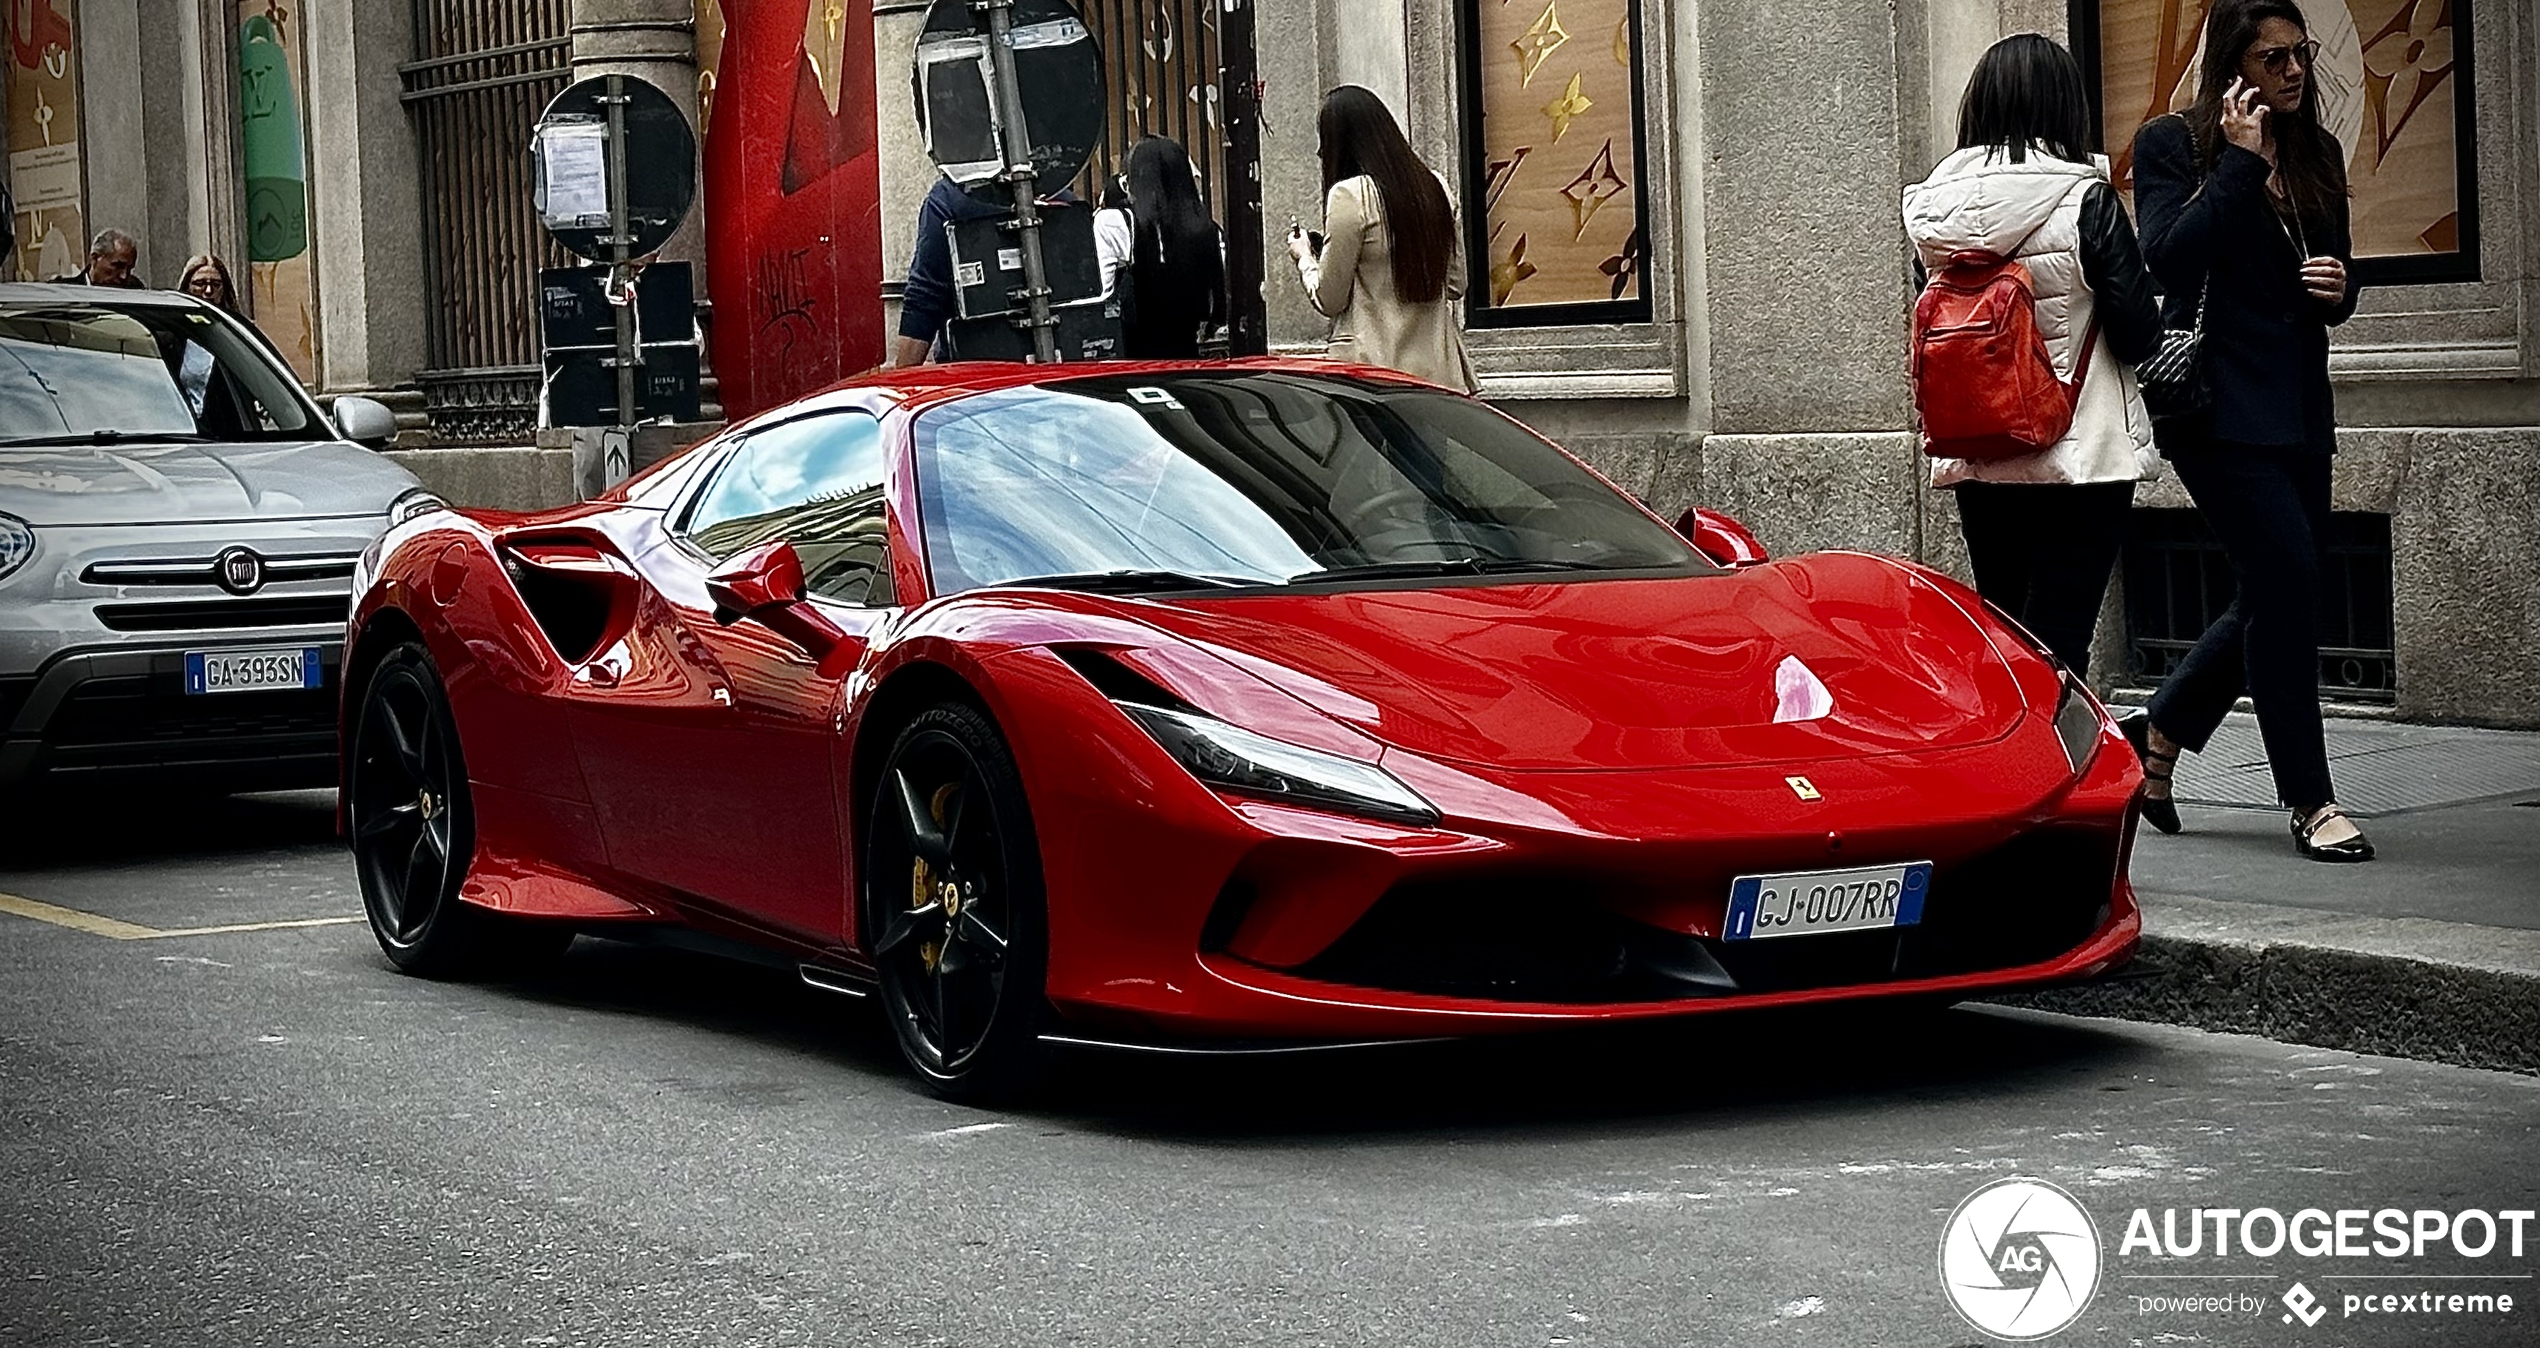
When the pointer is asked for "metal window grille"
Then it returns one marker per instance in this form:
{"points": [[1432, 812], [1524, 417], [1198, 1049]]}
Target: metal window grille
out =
{"points": [[2178, 580], [1184, 69], [482, 71]]}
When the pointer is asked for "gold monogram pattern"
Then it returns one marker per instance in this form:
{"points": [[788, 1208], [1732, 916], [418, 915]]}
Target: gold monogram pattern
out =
{"points": [[1560, 202]]}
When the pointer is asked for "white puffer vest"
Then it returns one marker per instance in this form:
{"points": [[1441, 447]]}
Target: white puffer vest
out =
{"points": [[1979, 200]]}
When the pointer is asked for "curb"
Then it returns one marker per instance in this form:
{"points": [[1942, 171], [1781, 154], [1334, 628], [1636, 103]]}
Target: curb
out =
{"points": [[2401, 987]]}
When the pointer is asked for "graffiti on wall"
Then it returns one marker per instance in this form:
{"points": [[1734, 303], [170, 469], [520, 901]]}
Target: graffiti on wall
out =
{"points": [[792, 192]]}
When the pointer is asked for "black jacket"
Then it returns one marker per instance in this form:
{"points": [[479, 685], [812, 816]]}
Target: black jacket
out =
{"points": [[2129, 311], [2266, 339]]}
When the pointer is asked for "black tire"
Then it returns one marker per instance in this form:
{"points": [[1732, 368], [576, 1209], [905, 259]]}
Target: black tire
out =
{"points": [[953, 897], [412, 825]]}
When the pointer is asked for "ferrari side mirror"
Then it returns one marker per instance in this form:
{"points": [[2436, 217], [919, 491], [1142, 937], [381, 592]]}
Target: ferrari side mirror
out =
{"points": [[765, 585], [1721, 538]]}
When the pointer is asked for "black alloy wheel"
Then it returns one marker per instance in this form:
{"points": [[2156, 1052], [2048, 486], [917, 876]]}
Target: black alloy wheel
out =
{"points": [[952, 880], [412, 826]]}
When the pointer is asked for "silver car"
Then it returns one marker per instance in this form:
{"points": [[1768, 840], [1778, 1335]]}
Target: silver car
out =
{"points": [[178, 529]]}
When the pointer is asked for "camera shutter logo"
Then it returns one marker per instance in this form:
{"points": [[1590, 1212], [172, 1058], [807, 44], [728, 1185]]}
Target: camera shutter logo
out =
{"points": [[2019, 1259], [239, 571]]}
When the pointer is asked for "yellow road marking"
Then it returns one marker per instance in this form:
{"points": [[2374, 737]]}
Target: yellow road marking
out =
{"points": [[115, 929], [247, 926], [74, 919]]}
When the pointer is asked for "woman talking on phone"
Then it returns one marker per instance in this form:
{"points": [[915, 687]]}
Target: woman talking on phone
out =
{"points": [[2243, 206], [1387, 266]]}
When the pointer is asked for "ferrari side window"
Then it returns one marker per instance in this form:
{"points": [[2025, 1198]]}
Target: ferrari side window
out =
{"points": [[815, 482]]}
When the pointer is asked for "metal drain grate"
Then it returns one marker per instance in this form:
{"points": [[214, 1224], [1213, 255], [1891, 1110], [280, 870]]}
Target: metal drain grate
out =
{"points": [[2380, 768]]}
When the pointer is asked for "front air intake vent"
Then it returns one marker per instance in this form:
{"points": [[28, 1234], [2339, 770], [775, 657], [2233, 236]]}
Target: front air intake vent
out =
{"points": [[1117, 681]]}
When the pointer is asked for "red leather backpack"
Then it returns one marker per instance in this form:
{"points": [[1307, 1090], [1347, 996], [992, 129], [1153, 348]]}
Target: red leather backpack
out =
{"points": [[1982, 379]]}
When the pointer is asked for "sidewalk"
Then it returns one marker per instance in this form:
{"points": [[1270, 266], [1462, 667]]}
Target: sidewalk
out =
{"points": [[2431, 951]]}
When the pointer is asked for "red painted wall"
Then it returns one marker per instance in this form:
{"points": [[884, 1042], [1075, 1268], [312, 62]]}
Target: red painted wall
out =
{"points": [[792, 199]]}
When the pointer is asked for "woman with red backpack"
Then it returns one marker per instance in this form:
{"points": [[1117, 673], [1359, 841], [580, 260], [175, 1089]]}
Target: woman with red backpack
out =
{"points": [[2036, 305]]}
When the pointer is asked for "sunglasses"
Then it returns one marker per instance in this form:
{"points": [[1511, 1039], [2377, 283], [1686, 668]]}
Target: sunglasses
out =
{"points": [[2276, 58]]}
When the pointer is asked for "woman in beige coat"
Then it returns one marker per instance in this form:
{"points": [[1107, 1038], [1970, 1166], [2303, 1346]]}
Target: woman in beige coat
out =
{"points": [[1388, 267]]}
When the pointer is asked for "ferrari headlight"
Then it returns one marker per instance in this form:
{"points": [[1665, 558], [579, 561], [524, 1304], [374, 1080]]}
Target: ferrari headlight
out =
{"points": [[415, 503], [2077, 724], [17, 543], [1238, 760]]}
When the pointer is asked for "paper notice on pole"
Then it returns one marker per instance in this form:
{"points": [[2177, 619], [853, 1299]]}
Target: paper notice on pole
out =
{"points": [[573, 176]]}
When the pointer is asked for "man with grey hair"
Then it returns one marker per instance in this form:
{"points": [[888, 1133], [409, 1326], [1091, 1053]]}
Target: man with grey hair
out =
{"points": [[111, 256]]}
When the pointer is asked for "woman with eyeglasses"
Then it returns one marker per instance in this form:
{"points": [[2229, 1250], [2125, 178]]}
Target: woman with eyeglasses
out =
{"points": [[2243, 207]]}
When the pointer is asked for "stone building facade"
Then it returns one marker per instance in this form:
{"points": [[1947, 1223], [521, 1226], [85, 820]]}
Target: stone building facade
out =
{"points": [[1761, 369], [1745, 348], [1767, 377]]}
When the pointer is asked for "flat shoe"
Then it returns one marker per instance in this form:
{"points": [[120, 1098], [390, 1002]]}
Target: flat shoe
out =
{"points": [[2349, 843], [2160, 812]]}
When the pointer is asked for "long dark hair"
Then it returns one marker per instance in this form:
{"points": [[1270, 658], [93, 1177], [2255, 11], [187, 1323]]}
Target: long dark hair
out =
{"points": [[2027, 90], [1359, 136], [1177, 268], [2306, 155]]}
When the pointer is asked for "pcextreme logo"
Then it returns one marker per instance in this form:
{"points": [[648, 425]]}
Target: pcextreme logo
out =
{"points": [[2019, 1259]]}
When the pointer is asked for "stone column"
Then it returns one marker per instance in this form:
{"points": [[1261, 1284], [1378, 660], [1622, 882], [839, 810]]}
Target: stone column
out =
{"points": [[1805, 275], [367, 230], [114, 132], [905, 172]]}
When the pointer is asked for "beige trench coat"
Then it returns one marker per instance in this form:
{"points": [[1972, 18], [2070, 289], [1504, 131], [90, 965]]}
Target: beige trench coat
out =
{"points": [[1351, 283]]}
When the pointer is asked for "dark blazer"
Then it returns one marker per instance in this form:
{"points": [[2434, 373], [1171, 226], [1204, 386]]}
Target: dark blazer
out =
{"points": [[2266, 339]]}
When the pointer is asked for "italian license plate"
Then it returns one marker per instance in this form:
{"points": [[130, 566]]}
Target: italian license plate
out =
{"points": [[249, 671], [1802, 902]]}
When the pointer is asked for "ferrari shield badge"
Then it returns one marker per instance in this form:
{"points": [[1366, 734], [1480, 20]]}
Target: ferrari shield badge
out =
{"points": [[1803, 788]]}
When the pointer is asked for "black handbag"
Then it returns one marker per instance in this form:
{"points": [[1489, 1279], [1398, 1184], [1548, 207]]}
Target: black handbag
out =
{"points": [[2173, 379]]}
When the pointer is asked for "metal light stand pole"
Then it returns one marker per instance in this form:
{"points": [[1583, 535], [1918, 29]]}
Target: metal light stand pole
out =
{"points": [[621, 294], [1015, 140]]}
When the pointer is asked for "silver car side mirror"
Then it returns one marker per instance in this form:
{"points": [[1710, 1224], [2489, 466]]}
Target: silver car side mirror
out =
{"points": [[365, 421]]}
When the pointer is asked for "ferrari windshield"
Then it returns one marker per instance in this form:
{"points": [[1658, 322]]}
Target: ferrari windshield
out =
{"points": [[1196, 479]]}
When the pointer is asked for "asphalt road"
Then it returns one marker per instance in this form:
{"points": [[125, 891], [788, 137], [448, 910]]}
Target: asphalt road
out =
{"points": [[267, 1137]]}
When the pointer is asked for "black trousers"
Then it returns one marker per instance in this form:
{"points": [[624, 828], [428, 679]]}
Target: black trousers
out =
{"points": [[2269, 507], [2042, 553]]}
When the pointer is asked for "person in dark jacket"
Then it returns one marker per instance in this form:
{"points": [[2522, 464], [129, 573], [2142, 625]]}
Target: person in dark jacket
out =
{"points": [[2043, 530], [111, 258], [2243, 202], [928, 302], [1177, 262]]}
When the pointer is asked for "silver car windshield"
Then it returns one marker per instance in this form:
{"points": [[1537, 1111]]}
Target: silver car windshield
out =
{"points": [[1223, 478], [98, 371]]}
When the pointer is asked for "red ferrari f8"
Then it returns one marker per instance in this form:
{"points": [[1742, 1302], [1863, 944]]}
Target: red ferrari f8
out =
{"points": [[1269, 703]]}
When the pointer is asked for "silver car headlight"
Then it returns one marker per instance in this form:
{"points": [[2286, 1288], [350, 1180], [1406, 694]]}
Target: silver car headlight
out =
{"points": [[1235, 759], [17, 543], [414, 504], [2077, 719]]}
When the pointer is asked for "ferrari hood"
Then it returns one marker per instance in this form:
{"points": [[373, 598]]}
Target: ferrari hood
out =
{"points": [[1826, 656], [159, 483]]}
